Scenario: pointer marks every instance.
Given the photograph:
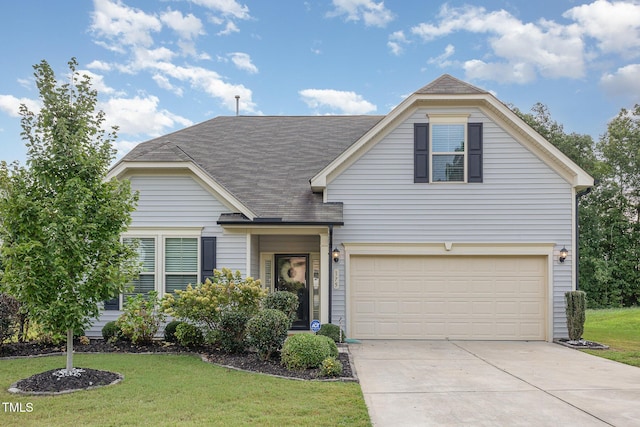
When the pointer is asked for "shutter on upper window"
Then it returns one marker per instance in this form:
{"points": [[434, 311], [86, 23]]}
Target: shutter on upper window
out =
{"points": [[208, 257], [474, 154], [421, 152]]}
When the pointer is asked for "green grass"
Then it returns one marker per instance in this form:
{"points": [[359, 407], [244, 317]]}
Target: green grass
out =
{"points": [[617, 328], [170, 390]]}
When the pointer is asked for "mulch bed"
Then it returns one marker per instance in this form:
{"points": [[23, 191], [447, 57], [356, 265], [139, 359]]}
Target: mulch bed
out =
{"points": [[581, 344], [48, 382]]}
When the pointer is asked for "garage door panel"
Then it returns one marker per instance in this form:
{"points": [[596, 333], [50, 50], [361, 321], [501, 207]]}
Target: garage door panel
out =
{"points": [[448, 297]]}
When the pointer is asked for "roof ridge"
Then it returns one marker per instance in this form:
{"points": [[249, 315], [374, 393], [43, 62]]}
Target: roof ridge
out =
{"points": [[449, 85]]}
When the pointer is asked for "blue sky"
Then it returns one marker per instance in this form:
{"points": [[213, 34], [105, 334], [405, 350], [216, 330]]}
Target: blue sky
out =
{"points": [[163, 65]]}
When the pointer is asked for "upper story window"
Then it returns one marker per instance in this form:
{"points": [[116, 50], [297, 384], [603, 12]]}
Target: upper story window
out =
{"points": [[448, 149], [448, 152]]}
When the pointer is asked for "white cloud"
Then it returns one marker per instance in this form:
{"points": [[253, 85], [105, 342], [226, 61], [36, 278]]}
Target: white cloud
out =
{"points": [[123, 25], [97, 82], [99, 65], [165, 83], [140, 116], [615, 25], [372, 13], [243, 62], [524, 49], [230, 28], [396, 42], [342, 101], [11, 105], [624, 82], [442, 60], [226, 7], [188, 27]]}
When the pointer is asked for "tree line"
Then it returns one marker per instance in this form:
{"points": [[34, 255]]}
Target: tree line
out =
{"points": [[609, 214]]}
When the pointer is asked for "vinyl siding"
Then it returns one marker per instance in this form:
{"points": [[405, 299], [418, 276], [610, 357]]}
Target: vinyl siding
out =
{"points": [[521, 200], [178, 201]]}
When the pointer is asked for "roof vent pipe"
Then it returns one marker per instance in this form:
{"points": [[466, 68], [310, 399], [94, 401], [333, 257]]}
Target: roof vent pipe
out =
{"points": [[237, 105]]}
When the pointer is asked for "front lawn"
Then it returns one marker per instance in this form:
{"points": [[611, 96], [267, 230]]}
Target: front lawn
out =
{"points": [[619, 329], [169, 390]]}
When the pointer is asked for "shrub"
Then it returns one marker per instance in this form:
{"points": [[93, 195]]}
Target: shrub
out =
{"points": [[230, 333], [170, 331], [9, 317], [331, 367], [111, 331], [575, 305], [333, 348], [285, 301], [141, 319], [204, 303], [267, 331], [304, 351], [332, 331], [189, 335]]}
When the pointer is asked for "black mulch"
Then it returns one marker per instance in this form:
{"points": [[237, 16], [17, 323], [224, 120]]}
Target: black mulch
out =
{"points": [[581, 344], [47, 382]]}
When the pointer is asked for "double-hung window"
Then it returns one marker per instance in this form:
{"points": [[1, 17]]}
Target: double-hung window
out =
{"points": [[181, 263], [448, 152], [448, 149]]}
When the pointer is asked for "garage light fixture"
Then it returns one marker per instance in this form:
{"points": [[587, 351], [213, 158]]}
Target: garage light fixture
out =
{"points": [[563, 254], [336, 255]]}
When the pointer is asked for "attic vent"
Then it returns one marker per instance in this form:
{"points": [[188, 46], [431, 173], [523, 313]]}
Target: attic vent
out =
{"points": [[237, 105]]}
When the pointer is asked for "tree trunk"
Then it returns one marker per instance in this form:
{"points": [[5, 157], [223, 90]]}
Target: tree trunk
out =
{"points": [[69, 349]]}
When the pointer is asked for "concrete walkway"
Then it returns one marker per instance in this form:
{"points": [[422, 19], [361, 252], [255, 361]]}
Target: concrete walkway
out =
{"points": [[475, 383]]}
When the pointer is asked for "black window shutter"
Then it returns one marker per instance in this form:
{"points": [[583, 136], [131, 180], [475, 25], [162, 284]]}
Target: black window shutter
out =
{"points": [[421, 152], [474, 155], [207, 257], [112, 304]]}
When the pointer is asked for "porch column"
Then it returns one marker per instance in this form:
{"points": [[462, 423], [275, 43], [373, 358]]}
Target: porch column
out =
{"points": [[324, 277]]}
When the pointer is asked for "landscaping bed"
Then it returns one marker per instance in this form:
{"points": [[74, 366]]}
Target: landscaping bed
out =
{"points": [[249, 361]]}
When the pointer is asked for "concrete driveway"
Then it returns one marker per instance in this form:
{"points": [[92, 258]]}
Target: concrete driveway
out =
{"points": [[476, 383]]}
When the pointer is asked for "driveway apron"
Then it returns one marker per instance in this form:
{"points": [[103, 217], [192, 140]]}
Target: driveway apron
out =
{"points": [[493, 383]]}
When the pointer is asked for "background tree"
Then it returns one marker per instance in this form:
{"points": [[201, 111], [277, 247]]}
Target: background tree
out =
{"points": [[609, 215], [60, 221]]}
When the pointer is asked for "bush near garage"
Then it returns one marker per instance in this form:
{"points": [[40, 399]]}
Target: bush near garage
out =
{"points": [[302, 351], [332, 331]]}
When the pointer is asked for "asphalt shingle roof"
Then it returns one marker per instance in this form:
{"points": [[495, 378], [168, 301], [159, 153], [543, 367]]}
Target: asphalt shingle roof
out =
{"points": [[266, 162]]}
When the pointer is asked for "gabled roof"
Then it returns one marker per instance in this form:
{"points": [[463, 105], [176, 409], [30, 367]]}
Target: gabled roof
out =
{"points": [[265, 163], [447, 84], [272, 169]]}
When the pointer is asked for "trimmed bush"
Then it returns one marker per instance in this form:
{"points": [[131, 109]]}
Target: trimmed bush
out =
{"points": [[231, 331], [110, 331], [575, 305], [332, 331], [333, 348], [189, 335], [170, 331], [267, 331], [302, 351], [331, 367], [285, 301]]}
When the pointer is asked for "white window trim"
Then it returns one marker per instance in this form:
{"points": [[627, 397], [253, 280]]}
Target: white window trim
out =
{"points": [[160, 235], [448, 119]]}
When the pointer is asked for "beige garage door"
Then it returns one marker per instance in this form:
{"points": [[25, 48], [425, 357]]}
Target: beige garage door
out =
{"points": [[448, 297]]}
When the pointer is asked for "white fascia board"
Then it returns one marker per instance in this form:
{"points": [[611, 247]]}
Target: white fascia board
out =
{"points": [[125, 169], [351, 154]]}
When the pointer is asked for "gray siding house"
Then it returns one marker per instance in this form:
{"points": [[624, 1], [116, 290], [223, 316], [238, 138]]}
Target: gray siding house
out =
{"points": [[444, 219]]}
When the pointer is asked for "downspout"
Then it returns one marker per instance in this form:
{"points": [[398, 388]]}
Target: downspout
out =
{"points": [[578, 196], [330, 268]]}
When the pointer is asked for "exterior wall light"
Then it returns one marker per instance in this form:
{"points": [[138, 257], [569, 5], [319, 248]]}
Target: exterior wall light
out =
{"points": [[336, 255], [563, 254]]}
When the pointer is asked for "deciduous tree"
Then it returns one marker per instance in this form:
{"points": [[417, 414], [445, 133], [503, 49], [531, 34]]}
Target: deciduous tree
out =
{"points": [[60, 220]]}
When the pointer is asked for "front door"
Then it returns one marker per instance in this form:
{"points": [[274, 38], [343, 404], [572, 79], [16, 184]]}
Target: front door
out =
{"points": [[292, 274]]}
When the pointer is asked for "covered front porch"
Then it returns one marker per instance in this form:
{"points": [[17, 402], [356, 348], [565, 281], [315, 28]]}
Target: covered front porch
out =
{"points": [[295, 259]]}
